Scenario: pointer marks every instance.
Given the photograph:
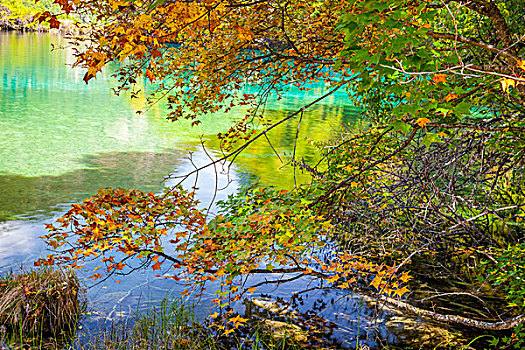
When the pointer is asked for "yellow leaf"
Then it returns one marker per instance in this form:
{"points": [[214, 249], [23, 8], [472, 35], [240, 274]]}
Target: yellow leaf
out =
{"points": [[344, 285], [332, 279], [422, 122], [376, 282], [506, 83], [401, 291], [405, 277]]}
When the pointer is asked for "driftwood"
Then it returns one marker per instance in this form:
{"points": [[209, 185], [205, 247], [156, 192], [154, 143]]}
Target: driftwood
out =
{"points": [[460, 320]]}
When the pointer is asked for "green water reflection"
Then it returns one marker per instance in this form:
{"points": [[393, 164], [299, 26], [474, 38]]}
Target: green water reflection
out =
{"points": [[61, 139]]}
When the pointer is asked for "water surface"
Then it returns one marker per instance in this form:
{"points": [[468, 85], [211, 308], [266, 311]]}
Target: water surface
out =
{"points": [[61, 140]]}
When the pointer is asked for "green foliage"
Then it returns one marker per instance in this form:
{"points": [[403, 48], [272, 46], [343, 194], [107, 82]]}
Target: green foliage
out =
{"points": [[433, 60], [510, 272]]}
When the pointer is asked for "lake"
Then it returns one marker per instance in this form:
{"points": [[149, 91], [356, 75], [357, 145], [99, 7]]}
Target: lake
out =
{"points": [[61, 140]]}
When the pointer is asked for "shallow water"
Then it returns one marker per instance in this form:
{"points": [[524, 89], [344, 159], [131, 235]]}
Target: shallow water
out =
{"points": [[61, 140]]}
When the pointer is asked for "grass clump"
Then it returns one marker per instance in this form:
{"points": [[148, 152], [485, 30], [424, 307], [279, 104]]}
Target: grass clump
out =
{"points": [[40, 304]]}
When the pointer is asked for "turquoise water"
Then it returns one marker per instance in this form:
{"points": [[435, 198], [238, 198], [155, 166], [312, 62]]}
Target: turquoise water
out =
{"points": [[61, 140]]}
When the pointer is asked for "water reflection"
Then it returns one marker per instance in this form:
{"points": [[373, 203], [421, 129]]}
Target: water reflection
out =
{"points": [[33, 196]]}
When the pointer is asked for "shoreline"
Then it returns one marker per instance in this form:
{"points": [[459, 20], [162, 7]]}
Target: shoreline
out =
{"points": [[29, 24]]}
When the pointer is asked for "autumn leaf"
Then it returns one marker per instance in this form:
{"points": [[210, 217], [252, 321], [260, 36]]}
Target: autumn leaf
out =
{"points": [[401, 291], [506, 83], [156, 266], [451, 97], [376, 282], [54, 23], [422, 122], [521, 64], [251, 290], [332, 279], [405, 277], [237, 321], [440, 78]]}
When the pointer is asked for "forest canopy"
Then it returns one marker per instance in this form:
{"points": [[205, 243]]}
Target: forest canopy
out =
{"points": [[432, 185]]}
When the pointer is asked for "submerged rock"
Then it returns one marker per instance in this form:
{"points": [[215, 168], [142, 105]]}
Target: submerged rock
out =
{"points": [[281, 321], [282, 330], [273, 307], [418, 333]]}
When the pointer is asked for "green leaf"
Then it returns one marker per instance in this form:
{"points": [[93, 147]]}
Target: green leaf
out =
{"points": [[431, 137], [463, 108], [401, 126]]}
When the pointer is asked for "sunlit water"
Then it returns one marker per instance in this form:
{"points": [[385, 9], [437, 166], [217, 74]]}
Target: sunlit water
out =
{"points": [[61, 140]]}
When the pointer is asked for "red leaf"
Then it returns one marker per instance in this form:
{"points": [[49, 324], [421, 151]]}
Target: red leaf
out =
{"points": [[156, 266], [54, 23]]}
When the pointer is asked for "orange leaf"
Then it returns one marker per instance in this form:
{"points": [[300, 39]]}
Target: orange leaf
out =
{"points": [[451, 97], [422, 122], [440, 78], [521, 64], [54, 23], [156, 266]]}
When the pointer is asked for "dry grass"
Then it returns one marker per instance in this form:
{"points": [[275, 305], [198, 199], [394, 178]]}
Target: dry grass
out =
{"points": [[41, 302]]}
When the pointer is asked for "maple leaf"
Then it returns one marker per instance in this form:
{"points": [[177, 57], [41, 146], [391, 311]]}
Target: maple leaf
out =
{"points": [[54, 23], [506, 83], [440, 78], [405, 277], [422, 122], [237, 321], [400, 292], [521, 64], [251, 290], [332, 279], [156, 266], [451, 97]]}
